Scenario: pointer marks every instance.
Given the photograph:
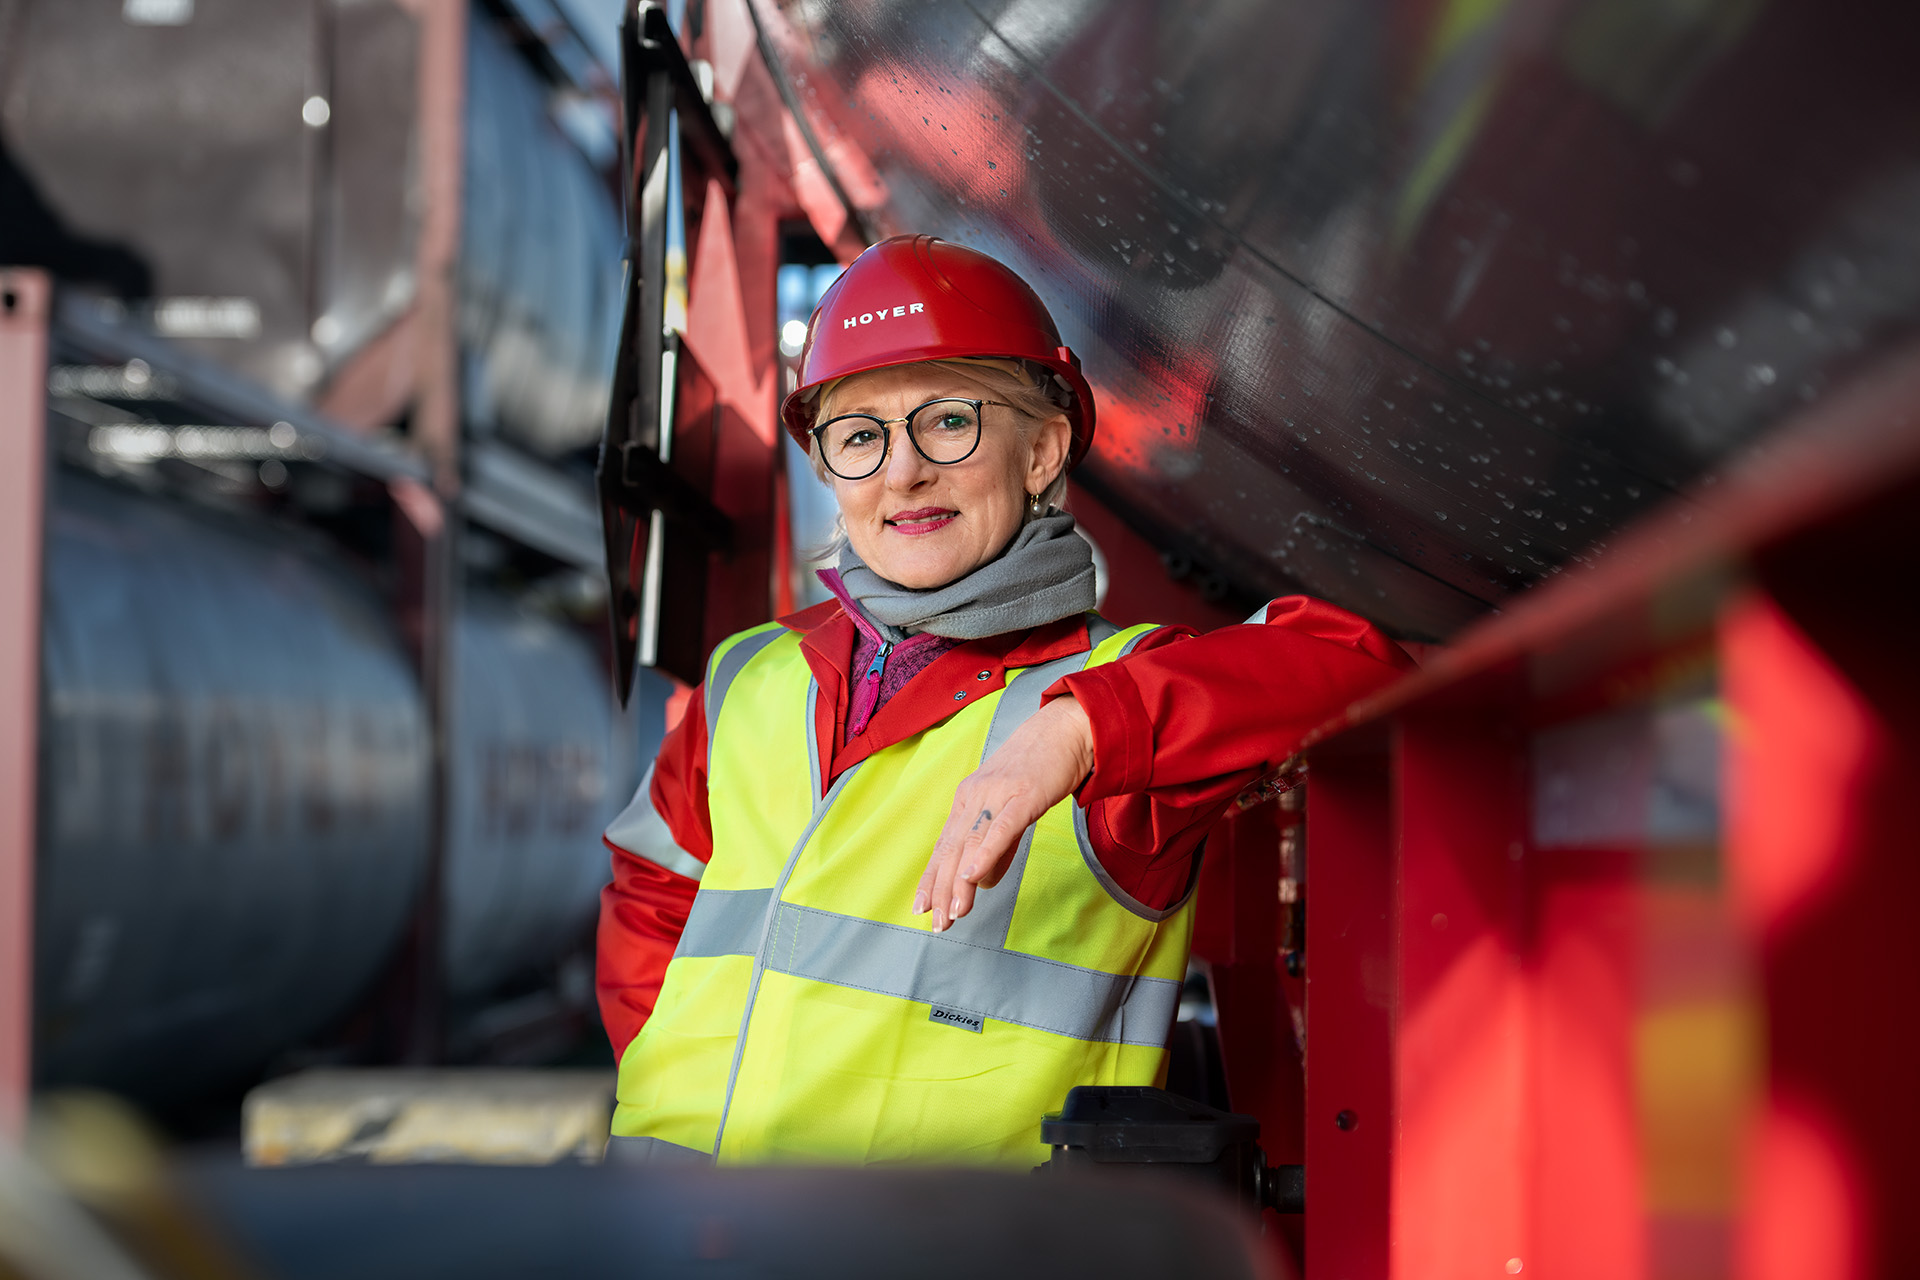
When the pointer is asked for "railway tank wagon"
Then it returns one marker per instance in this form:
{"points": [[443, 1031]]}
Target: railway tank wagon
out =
{"points": [[237, 794], [322, 674], [540, 766]]}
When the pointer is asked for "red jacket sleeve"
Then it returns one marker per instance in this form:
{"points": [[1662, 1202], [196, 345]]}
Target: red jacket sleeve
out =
{"points": [[1184, 723], [644, 909]]}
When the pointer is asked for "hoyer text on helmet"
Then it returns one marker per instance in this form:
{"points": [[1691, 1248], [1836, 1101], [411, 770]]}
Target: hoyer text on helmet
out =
{"points": [[868, 317]]}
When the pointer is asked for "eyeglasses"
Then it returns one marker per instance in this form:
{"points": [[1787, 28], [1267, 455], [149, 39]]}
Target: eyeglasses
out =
{"points": [[946, 431]]}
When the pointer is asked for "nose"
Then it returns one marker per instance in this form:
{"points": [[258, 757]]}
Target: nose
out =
{"points": [[906, 469]]}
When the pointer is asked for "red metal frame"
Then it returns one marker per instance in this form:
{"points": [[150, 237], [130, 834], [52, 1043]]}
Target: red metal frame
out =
{"points": [[1349, 1097], [1558, 1022], [25, 298]]}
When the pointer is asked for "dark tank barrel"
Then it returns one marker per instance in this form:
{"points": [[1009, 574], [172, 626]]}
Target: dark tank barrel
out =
{"points": [[236, 781], [236, 794]]}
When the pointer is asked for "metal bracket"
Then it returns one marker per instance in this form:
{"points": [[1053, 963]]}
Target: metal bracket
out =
{"points": [[650, 54], [654, 486], [636, 480]]}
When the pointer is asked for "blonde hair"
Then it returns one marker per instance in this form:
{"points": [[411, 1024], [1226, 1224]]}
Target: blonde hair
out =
{"points": [[1034, 394]]}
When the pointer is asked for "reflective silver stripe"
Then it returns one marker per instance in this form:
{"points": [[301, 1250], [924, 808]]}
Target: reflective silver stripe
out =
{"points": [[1003, 986], [992, 915], [1258, 617], [820, 808], [1023, 692], [627, 1149], [724, 922], [1107, 882], [721, 674], [813, 738], [642, 832], [1114, 891], [991, 919]]}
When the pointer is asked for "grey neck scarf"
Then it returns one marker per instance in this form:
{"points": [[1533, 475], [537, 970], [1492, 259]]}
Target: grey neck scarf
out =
{"points": [[1046, 573]]}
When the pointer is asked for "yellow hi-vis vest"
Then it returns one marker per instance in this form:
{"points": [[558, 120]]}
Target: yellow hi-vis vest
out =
{"points": [[806, 1015]]}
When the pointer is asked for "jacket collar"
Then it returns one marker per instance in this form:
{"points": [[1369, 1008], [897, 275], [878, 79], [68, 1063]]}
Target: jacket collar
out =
{"points": [[973, 668], [825, 630]]}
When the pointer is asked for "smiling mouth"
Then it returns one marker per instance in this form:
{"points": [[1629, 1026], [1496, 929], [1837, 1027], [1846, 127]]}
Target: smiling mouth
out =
{"points": [[923, 520]]}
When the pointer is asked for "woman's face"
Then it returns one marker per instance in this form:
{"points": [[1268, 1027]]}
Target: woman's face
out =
{"points": [[922, 524]]}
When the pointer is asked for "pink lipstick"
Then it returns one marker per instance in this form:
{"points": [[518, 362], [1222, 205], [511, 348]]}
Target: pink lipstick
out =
{"points": [[921, 520]]}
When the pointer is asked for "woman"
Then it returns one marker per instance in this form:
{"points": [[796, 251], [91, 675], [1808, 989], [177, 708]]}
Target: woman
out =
{"points": [[919, 859]]}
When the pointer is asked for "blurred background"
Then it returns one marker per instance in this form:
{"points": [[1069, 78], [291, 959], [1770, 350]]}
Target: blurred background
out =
{"points": [[327, 739], [388, 430]]}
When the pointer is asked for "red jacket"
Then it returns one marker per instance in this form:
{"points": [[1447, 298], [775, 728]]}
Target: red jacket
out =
{"points": [[1180, 726]]}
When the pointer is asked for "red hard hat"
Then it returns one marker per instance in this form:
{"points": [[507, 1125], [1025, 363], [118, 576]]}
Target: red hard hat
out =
{"points": [[913, 298]]}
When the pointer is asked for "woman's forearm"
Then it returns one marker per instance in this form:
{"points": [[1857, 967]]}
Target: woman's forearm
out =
{"points": [[1196, 711]]}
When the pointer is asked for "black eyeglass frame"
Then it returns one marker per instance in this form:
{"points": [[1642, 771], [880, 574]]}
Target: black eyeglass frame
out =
{"points": [[886, 433]]}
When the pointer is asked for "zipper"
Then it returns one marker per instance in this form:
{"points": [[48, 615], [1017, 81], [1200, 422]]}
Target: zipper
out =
{"points": [[869, 697]]}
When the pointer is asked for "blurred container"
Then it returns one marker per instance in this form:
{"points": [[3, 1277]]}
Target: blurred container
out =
{"points": [[234, 793], [260, 159], [539, 270], [258, 167], [537, 764]]}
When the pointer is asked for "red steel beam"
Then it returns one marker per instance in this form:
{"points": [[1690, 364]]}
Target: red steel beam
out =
{"points": [[1610, 957], [1462, 1030], [1350, 1122], [24, 302]]}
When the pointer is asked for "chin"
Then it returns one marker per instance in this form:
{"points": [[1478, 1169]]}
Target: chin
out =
{"points": [[915, 565], [919, 573], [916, 579]]}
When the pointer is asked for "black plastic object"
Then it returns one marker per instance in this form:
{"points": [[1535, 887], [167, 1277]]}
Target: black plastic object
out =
{"points": [[333, 1222], [1134, 1128]]}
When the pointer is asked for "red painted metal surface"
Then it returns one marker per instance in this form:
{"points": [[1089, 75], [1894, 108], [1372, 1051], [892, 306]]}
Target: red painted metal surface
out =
{"points": [[1461, 1128], [737, 412], [1609, 964], [24, 301], [1349, 1111], [1238, 935]]}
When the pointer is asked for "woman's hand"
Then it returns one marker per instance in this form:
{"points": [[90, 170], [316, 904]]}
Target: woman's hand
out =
{"points": [[1034, 769]]}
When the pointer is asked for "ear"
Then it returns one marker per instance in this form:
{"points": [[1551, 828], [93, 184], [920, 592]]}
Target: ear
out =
{"points": [[1047, 451]]}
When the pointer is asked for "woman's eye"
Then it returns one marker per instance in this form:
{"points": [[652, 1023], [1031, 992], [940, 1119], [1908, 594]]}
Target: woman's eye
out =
{"points": [[953, 422], [859, 438]]}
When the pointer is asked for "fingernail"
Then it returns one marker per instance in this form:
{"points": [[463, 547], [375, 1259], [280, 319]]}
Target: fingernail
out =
{"points": [[954, 911], [967, 873], [920, 904], [939, 922]]}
